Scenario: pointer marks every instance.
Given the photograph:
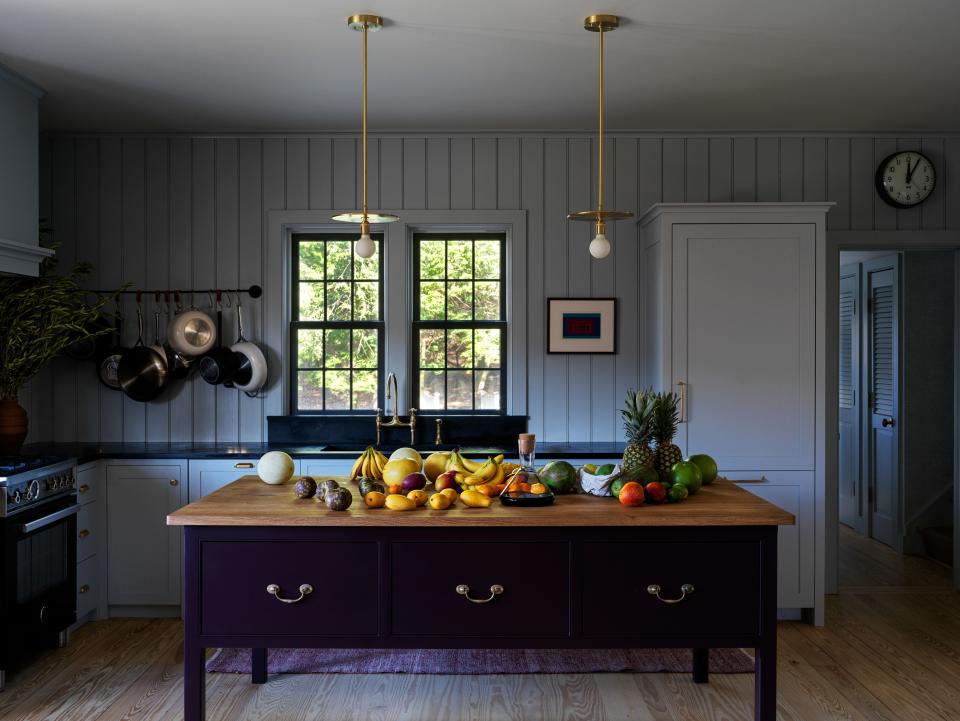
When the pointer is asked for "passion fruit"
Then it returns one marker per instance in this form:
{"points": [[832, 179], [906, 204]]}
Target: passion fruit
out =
{"points": [[339, 499], [306, 487]]}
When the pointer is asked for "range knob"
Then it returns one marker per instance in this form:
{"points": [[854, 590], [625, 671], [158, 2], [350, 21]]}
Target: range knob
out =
{"points": [[33, 490], [16, 496]]}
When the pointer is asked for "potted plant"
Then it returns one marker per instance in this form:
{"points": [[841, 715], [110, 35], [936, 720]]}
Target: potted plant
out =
{"points": [[39, 318]]}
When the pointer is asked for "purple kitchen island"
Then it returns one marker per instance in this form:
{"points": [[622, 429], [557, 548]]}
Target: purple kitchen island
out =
{"points": [[265, 570]]}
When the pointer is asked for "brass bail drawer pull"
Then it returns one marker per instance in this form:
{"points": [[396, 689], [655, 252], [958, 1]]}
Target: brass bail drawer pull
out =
{"points": [[305, 590], [685, 590], [495, 590]]}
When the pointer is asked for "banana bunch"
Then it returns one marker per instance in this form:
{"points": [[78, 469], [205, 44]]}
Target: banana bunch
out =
{"points": [[475, 473], [369, 464]]}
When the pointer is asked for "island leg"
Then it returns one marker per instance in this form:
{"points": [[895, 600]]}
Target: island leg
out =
{"points": [[259, 656], [765, 683], [701, 665], [765, 664], [194, 680]]}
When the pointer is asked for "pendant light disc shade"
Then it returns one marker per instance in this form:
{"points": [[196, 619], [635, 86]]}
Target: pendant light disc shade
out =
{"points": [[596, 23], [600, 215], [371, 216]]}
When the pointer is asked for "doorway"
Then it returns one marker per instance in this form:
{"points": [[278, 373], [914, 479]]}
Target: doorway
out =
{"points": [[896, 401]]}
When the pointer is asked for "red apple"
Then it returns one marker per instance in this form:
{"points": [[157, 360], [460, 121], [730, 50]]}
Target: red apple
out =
{"points": [[414, 482], [656, 492], [447, 480]]}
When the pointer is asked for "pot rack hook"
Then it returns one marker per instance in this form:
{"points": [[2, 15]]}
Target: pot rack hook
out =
{"points": [[226, 299]]}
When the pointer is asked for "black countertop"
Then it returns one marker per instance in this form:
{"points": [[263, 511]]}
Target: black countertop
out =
{"points": [[86, 452]]}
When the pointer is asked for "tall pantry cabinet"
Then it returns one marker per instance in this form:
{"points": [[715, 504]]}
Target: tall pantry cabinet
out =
{"points": [[733, 322]]}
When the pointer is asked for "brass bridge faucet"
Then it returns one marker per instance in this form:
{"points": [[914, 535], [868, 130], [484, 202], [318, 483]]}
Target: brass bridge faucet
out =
{"points": [[395, 422]]}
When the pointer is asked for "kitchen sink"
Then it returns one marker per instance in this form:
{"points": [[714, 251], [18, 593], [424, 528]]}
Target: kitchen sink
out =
{"points": [[387, 449]]}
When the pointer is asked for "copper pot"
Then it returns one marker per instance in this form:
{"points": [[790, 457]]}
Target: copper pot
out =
{"points": [[13, 426]]}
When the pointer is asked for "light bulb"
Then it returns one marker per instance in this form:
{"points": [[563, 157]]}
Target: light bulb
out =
{"points": [[600, 246], [365, 247]]}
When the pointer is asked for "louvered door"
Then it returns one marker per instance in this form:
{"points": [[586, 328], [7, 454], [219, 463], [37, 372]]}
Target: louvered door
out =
{"points": [[883, 381], [852, 506]]}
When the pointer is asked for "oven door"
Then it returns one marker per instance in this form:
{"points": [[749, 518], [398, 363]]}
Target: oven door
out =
{"points": [[40, 571]]}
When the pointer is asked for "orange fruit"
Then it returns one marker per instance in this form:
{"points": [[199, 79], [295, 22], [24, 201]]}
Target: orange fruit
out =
{"points": [[395, 488], [487, 489], [538, 488]]}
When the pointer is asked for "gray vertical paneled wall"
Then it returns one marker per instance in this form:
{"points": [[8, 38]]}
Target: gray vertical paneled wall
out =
{"points": [[181, 212]]}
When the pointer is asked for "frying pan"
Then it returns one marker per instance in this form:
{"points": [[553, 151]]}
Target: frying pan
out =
{"points": [[191, 332], [178, 365], [252, 370], [141, 370], [218, 365], [107, 365]]}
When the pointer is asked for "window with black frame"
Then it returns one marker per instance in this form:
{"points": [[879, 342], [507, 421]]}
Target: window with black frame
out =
{"points": [[459, 327], [336, 327]]}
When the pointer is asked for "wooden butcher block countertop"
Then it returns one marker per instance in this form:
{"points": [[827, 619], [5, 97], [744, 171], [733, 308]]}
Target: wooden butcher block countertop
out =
{"points": [[250, 502]]}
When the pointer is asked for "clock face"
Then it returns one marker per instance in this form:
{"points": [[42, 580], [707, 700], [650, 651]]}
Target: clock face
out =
{"points": [[906, 179]]}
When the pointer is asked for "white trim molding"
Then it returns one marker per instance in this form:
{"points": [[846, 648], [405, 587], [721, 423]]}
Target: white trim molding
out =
{"points": [[22, 259]]}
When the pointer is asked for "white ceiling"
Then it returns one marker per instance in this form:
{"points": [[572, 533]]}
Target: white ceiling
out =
{"points": [[292, 65]]}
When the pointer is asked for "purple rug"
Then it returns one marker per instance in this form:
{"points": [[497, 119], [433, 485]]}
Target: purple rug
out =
{"points": [[479, 661]]}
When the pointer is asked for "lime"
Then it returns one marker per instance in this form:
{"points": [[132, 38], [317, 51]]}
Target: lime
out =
{"points": [[687, 474], [677, 492], [707, 466]]}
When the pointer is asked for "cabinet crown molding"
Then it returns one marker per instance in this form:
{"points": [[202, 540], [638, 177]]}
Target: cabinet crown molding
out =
{"points": [[21, 259], [724, 209]]}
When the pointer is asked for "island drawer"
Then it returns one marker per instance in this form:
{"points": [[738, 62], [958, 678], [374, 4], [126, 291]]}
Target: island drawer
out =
{"points": [[236, 576], [616, 598], [534, 576]]}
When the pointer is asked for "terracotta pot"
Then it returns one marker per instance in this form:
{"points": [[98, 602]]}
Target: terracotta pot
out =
{"points": [[13, 426]]}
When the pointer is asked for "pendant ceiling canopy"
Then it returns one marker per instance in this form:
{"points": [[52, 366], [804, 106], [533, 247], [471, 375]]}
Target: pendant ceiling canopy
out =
{"points": [[600, 246], [365, 247]]}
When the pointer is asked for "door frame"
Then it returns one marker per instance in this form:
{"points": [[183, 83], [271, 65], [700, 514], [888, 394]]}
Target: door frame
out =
{"points": [[892, 240], [853, 271]]}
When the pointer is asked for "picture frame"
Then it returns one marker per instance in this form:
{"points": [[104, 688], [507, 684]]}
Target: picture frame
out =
{"points": [[582, 325]]}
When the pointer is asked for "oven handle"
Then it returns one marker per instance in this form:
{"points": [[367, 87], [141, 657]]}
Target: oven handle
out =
{"points": [[51, 519]]}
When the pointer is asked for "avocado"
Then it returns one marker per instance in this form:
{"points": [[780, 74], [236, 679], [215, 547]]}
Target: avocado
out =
{"points": [[306, 487], [339, 499], [605, 470]]}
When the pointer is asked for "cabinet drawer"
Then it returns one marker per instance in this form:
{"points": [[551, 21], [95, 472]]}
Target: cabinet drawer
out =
{"points": [[725, 577], [86, 531], [344, 576], [87, 589], [534, 576], [87, 485]]}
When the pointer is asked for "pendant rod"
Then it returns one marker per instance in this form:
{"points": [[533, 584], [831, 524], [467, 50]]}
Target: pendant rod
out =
{"points": [[600, 155], [365, 121]]}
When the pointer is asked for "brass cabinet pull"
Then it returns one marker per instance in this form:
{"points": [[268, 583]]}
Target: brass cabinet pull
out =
{"points": [[83, 589], [685, 590], [683, 401], [305, 590], [174, 481], [243, 465], [84, 533], [83, 488], [495, 590], [888, 423]]}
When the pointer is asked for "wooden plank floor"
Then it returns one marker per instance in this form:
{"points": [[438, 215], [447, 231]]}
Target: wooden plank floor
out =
{"points": [[883, 656]]}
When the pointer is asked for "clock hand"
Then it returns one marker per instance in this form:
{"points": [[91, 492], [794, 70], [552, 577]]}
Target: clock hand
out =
{"points": [[911, 172]]}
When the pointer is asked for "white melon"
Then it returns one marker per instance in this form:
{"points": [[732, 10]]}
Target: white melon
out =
{"points": [[407, 453], [275, 467]]}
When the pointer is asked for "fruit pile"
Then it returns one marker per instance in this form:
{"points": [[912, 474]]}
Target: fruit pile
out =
{"points": [[660, 473]]}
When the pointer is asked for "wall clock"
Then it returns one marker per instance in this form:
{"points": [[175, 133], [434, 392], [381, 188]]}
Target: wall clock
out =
{"points": [[905, 179]]}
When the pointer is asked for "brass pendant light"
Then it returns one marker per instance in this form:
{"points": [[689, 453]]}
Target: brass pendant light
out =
{"points": [[600, 246], [365, 247]]}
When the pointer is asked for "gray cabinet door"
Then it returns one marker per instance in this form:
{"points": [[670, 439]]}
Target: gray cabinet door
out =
{"points": [[143, 556], [743, 343]]}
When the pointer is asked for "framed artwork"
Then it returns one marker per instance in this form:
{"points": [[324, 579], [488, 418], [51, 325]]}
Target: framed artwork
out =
{"points": [[581, 325]]}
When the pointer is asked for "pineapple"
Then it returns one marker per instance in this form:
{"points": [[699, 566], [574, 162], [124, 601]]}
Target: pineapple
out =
{"points": [[665, 420], [637, 422]]}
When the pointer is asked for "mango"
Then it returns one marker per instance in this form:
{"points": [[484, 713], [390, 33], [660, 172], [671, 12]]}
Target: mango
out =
{"points": [[474, 499], [440, 502], [396, 502], [418, 496], [375, 499]]}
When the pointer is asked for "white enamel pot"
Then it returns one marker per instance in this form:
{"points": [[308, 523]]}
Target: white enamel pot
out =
{"points": [[251, 372], [191, 333]]}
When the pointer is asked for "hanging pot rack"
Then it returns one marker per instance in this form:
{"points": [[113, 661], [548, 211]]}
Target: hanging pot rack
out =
{"points": [[254, 291]]}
